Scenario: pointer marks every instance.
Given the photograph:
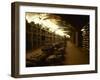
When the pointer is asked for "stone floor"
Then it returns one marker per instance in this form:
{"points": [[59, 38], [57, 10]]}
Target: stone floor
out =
{"points": [[75, 55]]}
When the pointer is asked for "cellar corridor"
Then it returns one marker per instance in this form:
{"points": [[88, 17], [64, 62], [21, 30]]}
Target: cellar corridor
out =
{"points": [[56, 39], [75, 55]]}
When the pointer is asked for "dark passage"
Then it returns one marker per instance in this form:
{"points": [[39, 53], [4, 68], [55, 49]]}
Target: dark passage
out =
{"points": [[75, 55], [56, 39]]}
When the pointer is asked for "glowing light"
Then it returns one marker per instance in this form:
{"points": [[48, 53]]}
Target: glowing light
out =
{"points": [[46, 22], [60, 32], [82, 29], [50, 25], [68, 36]]}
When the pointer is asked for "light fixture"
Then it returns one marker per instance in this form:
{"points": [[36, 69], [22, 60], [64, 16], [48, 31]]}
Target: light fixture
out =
{"points": [[82, 29], [45, 22]]}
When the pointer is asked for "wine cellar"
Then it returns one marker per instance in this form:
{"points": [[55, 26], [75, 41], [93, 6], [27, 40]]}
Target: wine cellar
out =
{"points": [[85, 35], [53, 40], [51, 45]]}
